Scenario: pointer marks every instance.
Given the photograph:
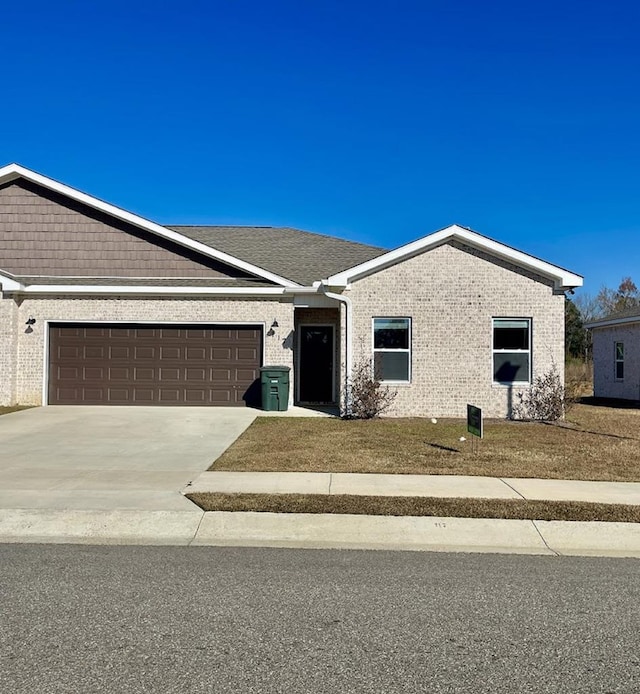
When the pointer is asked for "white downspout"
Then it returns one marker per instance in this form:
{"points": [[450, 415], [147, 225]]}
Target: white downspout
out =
{"points": [[349, 340]]}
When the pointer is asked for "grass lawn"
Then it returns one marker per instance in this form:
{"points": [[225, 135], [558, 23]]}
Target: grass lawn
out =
{"points": [[418, 506], [593, 443], [15, 408]]}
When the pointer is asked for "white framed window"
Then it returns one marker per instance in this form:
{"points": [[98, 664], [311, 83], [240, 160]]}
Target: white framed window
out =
{"points": [[619, 360], [392, 349], [511, 350]]}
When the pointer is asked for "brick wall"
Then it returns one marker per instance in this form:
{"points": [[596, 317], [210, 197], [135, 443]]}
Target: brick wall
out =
{"points": [[27, 367], [605, 384], [8, 348], [451, 293]]}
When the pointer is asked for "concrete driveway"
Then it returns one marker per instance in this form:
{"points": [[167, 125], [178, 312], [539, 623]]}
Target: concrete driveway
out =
{"points": [[110, 458]]}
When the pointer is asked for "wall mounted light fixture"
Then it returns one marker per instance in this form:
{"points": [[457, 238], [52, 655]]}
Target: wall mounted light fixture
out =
{"points": [[30, 321]]}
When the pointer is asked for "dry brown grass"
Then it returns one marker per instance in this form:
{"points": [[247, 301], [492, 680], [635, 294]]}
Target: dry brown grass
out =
{"points": [[418, 506], [578, 379], [14, 408], [593, 443]]}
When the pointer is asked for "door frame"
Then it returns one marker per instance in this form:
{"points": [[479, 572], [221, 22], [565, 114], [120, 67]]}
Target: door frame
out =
{"points": [[333, 357]]}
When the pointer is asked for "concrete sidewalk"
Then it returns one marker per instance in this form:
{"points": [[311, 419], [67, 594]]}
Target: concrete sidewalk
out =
{"points": [[418, 533], [415, 485]]}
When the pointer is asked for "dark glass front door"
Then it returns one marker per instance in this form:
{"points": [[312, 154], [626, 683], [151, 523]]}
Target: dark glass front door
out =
{"points": [[316, 363]]}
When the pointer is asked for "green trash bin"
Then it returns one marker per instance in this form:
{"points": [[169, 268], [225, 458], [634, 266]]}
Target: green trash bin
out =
{"points": [[275, 388]]}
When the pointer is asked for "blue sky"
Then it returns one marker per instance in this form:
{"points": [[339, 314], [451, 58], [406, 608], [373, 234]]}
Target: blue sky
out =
{"points": [[375, 121]]}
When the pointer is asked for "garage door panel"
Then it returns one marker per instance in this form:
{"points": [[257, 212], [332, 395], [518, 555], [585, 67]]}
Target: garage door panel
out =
{"points": [[93, 394], [222, 397], [141, 374], [171, 374], [119, 373], [196, 396], [119, 396], [120, 333], [197, 374], [115, 352], [243, 375], [169, 353], [196, 353], [246, 354], [144, 396], [157, 365], [221, 353], [68, 352], [145, 352]]}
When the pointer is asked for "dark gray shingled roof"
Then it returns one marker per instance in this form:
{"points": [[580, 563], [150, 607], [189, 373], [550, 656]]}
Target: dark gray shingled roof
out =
{"points": [[300, 256], [633, 312]]}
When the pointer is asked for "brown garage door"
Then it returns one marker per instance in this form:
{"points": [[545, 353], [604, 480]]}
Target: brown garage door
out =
{"points": [[128, 364]]}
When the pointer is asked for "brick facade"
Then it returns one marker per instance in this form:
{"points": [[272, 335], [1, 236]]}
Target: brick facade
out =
{"points": [[452, 293], [605, 384], [23, 355]]}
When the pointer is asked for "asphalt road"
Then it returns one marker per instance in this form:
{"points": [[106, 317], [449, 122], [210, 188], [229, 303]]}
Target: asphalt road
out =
{"points": [[165, 619]]}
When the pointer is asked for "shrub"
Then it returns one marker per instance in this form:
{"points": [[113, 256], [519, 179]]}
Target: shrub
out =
{"points": [[364, 396], [544, 401]]}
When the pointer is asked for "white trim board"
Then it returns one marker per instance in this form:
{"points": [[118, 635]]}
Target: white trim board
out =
{"points": [[564, 279], [13, 172], [611, 322]]}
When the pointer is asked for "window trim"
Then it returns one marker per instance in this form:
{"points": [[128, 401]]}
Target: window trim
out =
{"points": [[617, 361], [407, 351], [495, 351]]}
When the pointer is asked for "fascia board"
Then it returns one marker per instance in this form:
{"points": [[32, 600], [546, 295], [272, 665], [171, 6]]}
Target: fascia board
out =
{"points": [[87, 289], [9, 284], [613, 322], [13, 171], [563, 278]]}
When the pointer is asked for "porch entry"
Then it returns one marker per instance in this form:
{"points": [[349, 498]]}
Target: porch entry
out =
{"points": [[316, 363]]}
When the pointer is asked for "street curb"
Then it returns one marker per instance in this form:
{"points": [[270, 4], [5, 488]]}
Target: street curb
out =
{"points": [[331, 531], [369, 532], [99, 527], [426, 533], [589, 538]]}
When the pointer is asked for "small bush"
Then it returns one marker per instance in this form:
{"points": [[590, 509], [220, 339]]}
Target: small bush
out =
{"points": [[365, 397], [544, 401]]}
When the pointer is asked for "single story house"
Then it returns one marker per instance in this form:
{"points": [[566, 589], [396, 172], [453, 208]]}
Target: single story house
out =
{"points": [[101, 306], [616, 355]]}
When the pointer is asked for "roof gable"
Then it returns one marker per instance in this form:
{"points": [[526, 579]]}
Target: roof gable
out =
{"points": [[13, 172], [43, 233], [563, 279]]}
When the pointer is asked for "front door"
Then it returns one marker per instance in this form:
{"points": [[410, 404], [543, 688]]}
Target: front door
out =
{"points": [[316, 359]]}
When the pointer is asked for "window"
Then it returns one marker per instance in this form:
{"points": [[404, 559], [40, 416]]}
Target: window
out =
{"points": [[619, 361], [392, 349], [511, 350]]}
